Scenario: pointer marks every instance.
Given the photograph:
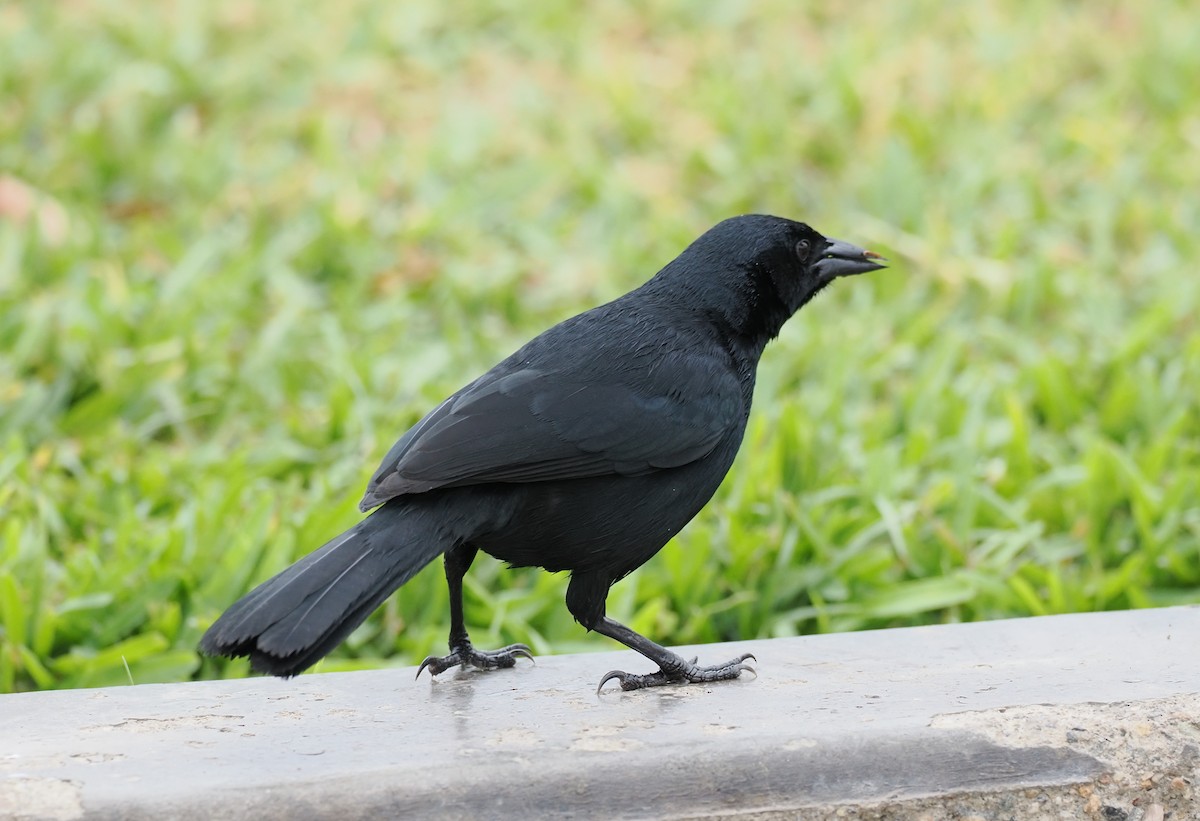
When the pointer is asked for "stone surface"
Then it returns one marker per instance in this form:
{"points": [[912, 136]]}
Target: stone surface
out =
{"points": [[1077, 716]]}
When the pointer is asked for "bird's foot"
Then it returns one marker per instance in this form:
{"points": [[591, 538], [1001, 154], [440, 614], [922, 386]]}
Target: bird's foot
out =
{"points": [[686, 672], [464, 655]]}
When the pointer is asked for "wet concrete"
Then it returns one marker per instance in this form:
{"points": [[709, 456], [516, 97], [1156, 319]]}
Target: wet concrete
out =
{"points": [[888, 724]]}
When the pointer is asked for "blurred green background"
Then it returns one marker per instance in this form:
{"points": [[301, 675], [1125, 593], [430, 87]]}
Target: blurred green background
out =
{"points": [[243, 246]]}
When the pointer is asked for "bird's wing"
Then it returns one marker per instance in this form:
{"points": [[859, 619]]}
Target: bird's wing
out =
{"points": [[533, 425]]}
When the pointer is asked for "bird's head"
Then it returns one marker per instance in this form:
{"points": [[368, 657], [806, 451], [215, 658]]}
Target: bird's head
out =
{"points": [[797, 259], [762, 269]]}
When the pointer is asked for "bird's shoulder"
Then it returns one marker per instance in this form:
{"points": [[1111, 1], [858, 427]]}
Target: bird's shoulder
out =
{"points": [[627, 342]]}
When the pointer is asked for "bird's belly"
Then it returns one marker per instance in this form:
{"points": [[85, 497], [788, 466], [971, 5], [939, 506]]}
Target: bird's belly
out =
{"points": [[609, 523]]}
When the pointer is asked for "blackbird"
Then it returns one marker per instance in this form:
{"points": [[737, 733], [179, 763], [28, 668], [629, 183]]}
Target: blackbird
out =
{"points": [[585, 451]]}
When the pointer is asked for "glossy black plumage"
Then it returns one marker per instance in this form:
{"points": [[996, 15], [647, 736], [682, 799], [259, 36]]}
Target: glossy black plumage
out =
{"points": [[586, 451]]}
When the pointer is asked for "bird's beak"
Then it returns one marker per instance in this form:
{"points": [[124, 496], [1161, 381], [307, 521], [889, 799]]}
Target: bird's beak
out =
{"points": [[841, 259]]}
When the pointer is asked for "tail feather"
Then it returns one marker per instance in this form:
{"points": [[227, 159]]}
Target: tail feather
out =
{"points": [[293, 619]]}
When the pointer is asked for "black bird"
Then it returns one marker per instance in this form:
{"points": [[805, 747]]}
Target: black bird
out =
{"points": [[585, 451]]}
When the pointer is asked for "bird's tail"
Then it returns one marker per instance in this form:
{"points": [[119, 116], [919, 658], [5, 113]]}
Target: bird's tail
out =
{"points": [[290, 621]]}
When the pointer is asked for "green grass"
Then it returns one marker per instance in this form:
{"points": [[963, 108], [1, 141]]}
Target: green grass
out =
{"points": [[244, 246]]}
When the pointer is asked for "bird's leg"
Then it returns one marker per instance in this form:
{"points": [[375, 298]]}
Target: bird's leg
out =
{"points": [[457, 560], [672, 668]]}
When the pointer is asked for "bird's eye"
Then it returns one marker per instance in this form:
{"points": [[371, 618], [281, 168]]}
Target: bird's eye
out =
{"points": [[802, 248]]}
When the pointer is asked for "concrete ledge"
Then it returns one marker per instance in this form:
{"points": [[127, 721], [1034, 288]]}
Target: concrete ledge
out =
{"points": [[1082, 716]]}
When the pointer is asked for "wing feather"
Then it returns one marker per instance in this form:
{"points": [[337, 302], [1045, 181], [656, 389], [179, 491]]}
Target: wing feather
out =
{"points": [[533, 425]]}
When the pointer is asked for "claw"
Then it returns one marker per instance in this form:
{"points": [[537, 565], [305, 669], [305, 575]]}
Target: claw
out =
{"points": [[689, 674], [432, 663], [746, 668], [617, 674], [481, 660]]}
